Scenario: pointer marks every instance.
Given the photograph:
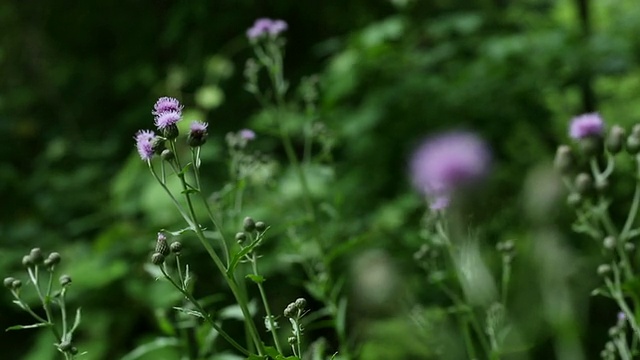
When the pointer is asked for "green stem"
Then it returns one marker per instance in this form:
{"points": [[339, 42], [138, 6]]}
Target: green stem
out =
{"points": [[33, 274], [265, 303], [205, 314]]}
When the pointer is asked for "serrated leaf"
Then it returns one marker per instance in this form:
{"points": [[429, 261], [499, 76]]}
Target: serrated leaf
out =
{"points": [[258, 279], [25, 327]]}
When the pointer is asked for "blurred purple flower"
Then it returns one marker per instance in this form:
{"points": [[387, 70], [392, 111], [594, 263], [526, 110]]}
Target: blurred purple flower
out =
{"points": [[586, 125], [167, 119], [447, 162], [197, 133], [166, 104], [145, 142], [266, 26], [247, 134]]}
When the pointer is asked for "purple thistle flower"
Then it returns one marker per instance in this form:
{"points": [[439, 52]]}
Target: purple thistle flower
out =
{"points": [[166, 104], [444, 163], [247, 134], [197, 133], [586, 125], [266, 26], [167, 119], [144, 143]]}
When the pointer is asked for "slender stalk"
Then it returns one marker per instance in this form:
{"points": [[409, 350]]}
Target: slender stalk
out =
{"points": [[33, 275], [205, 314], [265, 303]]}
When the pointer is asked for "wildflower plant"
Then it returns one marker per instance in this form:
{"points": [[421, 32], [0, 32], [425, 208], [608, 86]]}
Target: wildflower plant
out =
{"points": [[41, 272]]}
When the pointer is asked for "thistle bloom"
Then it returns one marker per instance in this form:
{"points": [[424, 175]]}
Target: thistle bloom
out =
{"points": [[166, 104], [586, 125], [167, 119], [247, 134], [266, 26], [447, 162], [197, 133], [145, 140]]}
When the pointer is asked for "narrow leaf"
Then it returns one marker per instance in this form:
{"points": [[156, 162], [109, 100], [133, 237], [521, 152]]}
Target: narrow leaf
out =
{"points": [[24, 327]]}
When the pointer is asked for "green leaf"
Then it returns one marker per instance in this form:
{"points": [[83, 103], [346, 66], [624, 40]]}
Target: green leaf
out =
{"points": [[240, 254], [149, 347], [258, 279], [76, 322], [190, 312], [24, 327]]}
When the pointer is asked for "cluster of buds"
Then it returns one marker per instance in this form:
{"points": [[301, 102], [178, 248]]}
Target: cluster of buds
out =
{"points": [[250, 226], [36, 258], [295, 309], [163, 249], [616, 333]]}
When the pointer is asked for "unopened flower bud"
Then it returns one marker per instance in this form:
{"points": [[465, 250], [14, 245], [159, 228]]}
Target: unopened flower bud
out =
{"points": [[564, 159], [290, 311], [157, 259], [609, 242], [602, 184], [241, 237], [591, 145], [604, 269], [574, 199], [55, 258], [161, 245], [8, 281], [633, 144], [300, 303], [197, 134], [629, 247], [615, 139], [36, 256], [261, 226], [65, 280], [248, 224], [16, 284], [583, 183], [176, 247], [27, 261], [167, 155], [158, 145]]}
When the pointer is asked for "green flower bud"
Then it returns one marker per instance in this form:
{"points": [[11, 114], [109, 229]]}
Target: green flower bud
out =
{"points": [[161, 245], [241, 237], [591, 146], [158, 145], [615, 139], [55, 258], [8, 282], [633, 144], [167, 155], [27, 261], [290, 311], [36, 256], [604, 269], [564, 161], [574, 199], [157, 259], [261, 226], [176, 247], [300, 303], [16, 284], [65, 280], [609, 242], [248, 224], [583, 183]]}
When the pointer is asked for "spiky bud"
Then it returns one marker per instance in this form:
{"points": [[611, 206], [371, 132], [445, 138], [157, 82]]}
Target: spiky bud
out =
{"points": [[161, 245], [36, 256], [176, 247], [261, 226], [16, 284], [583, 183], [248, 224], [167, 155], [157, 259], [241, 237], [65, 280], [27, 261], [8, 281], [300, 303], [55, 258], [290, 311], [615, 139]]}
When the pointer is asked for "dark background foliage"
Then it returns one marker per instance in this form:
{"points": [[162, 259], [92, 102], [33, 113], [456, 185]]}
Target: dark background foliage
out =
{"points": [[77, 79]]}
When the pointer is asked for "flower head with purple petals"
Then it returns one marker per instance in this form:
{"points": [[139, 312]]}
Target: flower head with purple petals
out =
{"points": [[447, 162], [586, 125], [266, 26], [167, 104], [197, 133], [167, 119], [247, 134], [145, 141]]}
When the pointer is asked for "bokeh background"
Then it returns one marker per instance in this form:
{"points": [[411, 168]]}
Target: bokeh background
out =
{"points": [[79, 78]]}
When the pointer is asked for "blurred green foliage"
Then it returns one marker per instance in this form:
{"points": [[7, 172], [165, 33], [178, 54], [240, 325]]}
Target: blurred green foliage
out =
{"points": [[77, 79]]}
